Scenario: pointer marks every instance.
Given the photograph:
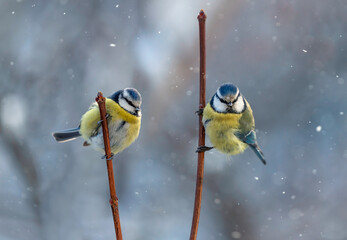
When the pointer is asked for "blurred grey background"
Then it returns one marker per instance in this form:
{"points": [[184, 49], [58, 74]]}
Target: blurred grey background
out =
{"points": [[289, 58]]}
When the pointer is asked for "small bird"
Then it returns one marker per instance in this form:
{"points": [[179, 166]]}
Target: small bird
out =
{"points": [[123, 116], [229, 122]]}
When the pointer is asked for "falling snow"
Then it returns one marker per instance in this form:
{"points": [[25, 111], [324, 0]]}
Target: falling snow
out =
{"points": [[318, 128], [54, 59], [236, 235]]}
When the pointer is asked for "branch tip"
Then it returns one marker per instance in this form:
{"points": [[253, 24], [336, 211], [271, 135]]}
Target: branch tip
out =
{"points": [[202, 15], [100, 97]]}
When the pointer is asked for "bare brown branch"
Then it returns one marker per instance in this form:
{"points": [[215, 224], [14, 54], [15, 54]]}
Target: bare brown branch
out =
{"points": [[114, 200], [202, 100]]}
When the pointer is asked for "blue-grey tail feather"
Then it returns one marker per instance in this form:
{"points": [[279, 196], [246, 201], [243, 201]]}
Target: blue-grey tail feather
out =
{"points": [[251, 140], [67, 135], [258, 152]]}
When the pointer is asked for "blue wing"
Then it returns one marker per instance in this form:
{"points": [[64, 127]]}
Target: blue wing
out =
{"points": [[251, 140]]}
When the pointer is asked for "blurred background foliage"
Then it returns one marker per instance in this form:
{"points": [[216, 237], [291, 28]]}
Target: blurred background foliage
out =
{"points": [[287, 57]]}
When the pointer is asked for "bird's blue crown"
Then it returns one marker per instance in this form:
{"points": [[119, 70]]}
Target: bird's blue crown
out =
{"points": [[115, 96], [228, 89], [134, 94]]}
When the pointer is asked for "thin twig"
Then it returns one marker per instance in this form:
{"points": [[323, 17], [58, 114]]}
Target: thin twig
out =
{"points": [[200, 169], [114, 200]]}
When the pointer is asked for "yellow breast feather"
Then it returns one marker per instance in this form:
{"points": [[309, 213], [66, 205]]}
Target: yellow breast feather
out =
{"points": [[220, 127], [89, 121], [129, 132], [115, 110]]}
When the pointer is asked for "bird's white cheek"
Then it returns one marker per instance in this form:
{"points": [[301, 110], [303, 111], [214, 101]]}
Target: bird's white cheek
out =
{"points": [[124, 104], [218, 105], [239, 105]]}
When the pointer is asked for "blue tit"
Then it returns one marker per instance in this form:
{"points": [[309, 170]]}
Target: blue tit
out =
{"points": [[123, 116], [229, 122]]}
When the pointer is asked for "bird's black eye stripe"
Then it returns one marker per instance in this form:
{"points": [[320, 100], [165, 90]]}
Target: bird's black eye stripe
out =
{"points": [[130, 103], [222, 100], [225, 102], [238, 95]]}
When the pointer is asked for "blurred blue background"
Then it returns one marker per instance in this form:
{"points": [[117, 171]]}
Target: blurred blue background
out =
{"points": [[287, 57]]}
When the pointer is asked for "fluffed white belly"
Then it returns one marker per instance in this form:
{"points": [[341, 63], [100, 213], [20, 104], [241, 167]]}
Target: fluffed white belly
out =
{"points": [[118, 131]]}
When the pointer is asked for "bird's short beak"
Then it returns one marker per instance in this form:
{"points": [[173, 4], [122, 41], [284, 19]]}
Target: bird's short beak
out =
{"points": [[230, 104], [138, 109]]}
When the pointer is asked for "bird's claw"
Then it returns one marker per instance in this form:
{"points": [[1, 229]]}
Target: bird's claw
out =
{"points": [[203, 149], [107, 116], [105, 157], [199, 112]]}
